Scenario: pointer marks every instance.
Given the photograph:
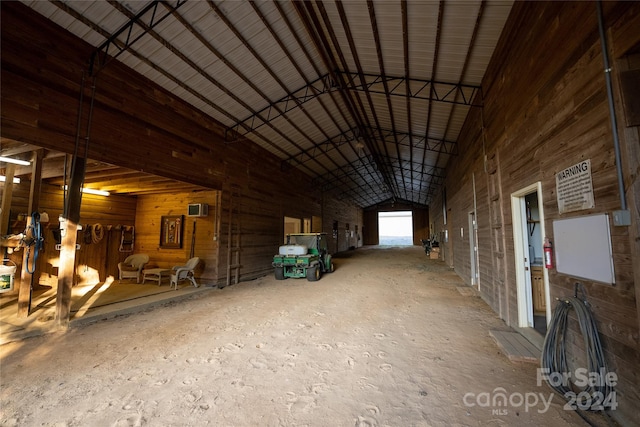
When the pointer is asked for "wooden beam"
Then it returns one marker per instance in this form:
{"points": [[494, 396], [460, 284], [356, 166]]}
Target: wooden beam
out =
{"points": [[7, 194], [68, 245], [26, 278]]}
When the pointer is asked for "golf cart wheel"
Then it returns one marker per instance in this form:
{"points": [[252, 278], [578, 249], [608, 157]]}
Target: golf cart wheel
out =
{"points": [[313, 274], [327, 265], [279, 273]]}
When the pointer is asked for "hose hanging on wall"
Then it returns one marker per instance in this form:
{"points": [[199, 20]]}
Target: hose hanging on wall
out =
{"points": [[596, 394], [93, 233], [97, 233]]}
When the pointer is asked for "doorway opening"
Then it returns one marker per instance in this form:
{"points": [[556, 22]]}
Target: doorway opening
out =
{"points": [[291, 225], [395, 228], [473, 251], [534, 310], [316, 224]]}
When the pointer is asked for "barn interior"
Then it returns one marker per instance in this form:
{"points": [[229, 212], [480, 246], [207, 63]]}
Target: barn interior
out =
{"points": [[213, 129]]}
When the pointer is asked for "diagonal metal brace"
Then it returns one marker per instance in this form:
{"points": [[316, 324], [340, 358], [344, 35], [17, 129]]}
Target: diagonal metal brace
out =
{"points": [[146, 20], [419, 89]]}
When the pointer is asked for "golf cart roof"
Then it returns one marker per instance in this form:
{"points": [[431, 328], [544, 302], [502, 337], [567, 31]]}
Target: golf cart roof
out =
{"points": [[306, 234]]}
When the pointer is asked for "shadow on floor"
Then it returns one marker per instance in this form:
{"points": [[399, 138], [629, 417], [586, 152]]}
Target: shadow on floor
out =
{"points": [[89, 303], [540, 324]]}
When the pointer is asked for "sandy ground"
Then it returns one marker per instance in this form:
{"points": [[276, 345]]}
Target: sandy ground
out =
{"points": [[386, 340]]}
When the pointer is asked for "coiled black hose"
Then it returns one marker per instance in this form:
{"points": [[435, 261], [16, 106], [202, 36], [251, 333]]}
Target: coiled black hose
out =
{"points": [[596, 393]]}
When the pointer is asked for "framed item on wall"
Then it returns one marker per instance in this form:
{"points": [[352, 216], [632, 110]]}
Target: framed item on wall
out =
{"points": [[171, 231]]}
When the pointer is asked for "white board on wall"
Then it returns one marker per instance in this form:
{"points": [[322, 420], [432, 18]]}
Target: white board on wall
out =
{"points": [[582, 247]]}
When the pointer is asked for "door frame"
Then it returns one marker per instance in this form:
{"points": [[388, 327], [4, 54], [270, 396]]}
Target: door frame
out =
{"points": [[473, 250], [524, 296], [297, 224]]}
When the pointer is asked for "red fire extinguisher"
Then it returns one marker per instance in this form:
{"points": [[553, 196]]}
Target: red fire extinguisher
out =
{"points": [[548, 253]]}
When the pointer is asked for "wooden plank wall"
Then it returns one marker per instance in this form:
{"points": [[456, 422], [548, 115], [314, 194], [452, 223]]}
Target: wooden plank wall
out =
{"points": [[205, 240], [96, 260], [420, 225], [135, 124], [256, 200], [139, 125], [546, 109], [371, 233], [348, 217]]}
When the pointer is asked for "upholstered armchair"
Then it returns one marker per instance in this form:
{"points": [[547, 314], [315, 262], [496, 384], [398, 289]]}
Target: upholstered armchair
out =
{"points": [[184, 272], [132, 266]]}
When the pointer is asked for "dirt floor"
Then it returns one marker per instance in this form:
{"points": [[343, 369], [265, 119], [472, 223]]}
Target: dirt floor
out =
{"points": [[388, 339]]}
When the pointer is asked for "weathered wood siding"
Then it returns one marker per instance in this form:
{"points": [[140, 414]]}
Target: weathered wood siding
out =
{"points": [[135, 124], [545, 109], [371, 233], [349, 222], [138, 125], [420, 225]]}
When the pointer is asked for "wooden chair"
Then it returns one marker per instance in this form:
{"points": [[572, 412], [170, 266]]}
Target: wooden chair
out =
{"points": [[184, 272], [132, 266]]}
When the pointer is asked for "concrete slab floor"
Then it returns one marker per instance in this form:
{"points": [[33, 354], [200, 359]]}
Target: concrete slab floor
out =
{"points": [[387, 339]]}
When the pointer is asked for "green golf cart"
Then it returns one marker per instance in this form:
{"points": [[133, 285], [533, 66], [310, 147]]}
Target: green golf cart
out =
{"points": [[304, 255]]}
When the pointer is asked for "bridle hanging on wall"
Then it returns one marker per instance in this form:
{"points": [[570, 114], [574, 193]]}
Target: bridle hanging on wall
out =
{"points": [[33, 238]]}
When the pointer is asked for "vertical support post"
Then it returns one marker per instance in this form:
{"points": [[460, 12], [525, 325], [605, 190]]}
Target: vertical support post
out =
{"points": [[7, 194], [68, 247], [27, 279]]}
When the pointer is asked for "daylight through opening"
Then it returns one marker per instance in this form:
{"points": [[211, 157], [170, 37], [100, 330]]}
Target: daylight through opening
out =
{"points": [[395, 228]]}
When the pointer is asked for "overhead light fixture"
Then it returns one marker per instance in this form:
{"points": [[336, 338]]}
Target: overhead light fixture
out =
{"points": [[14, 161], [91, 191], [16, 180], [96, 192]]}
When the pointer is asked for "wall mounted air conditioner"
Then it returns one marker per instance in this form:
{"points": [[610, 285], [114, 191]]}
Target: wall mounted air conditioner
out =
{"points": [[198, 209]]}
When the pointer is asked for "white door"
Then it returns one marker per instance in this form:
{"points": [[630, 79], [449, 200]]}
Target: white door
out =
{"points": [[526, 263], [473, 250], [521, 255]]}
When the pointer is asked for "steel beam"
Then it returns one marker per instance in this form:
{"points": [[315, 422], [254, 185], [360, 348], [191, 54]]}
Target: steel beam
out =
{"points": [[452, 93], [144, 21]]}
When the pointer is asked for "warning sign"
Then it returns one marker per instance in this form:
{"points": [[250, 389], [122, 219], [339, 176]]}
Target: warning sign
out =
{"points": [[574, 188]]}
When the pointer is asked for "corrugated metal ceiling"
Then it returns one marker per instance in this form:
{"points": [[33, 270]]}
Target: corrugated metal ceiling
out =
{"points": [[366, 97]]}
